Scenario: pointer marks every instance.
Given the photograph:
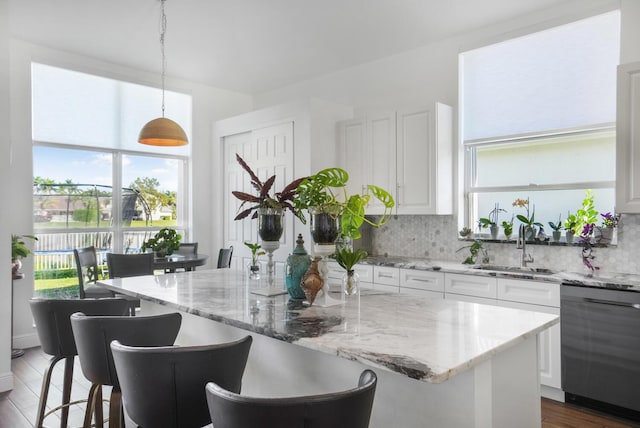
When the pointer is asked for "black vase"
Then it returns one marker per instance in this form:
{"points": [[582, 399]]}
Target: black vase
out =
{"points": [[270, 223], [325, 228]]}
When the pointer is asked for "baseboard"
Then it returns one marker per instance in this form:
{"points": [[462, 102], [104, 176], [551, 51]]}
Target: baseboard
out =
{"points": [[6, 381], [552, 393], [25, 341]]}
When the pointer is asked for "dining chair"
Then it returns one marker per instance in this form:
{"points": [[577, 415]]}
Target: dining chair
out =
{"points": [[126, 265], [87, 269], [185, 249], [53, 326], [93, 335], [224, 257], [344, 409], [176, 377]]}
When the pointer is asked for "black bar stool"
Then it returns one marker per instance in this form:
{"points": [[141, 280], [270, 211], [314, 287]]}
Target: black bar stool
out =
{"points": [[176, 377], [93, 334], [56, 337], [345, 409]]}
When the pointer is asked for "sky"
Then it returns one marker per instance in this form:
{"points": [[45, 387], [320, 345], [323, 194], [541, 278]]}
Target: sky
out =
{"points": [[91, 167]]}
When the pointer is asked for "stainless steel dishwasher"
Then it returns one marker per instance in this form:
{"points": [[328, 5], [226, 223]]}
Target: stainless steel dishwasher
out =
{"points": [[600, 332]]}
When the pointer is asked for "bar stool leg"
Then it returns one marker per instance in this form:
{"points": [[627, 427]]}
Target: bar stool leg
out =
{"points": [[66, 391], [98, 414], [116, 416], [94, 395], [44, 391]]}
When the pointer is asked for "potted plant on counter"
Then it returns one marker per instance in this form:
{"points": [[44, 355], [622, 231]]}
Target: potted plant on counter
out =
{"points": [[570, 224], [334, 212], [163, 243], [557, 229], [268, 208], [347, 259], [254, 267], [604, 234], [491, 221], [507, 226], [530, 223], [19, 250]]}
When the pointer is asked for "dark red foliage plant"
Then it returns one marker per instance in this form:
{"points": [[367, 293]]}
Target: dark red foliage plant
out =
{"points": [[263, 199]]}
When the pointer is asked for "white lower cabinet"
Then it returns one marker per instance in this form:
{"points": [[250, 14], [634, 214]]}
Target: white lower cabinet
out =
{"points": [[386, 278], [517, 294], [422, 283], [470, 285]]}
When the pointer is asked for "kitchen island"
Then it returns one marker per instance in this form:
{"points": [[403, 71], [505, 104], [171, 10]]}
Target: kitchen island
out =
{"points": [[439, 363]]}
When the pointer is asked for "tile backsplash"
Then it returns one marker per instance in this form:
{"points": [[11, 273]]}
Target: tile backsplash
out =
{"points": [[436, 238]]}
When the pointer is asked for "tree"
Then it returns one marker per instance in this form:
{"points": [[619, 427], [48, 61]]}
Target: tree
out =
{"points": [[148, 188]]}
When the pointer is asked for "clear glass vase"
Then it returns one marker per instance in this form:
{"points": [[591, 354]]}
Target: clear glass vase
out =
{"points": [[254, 271], [350, 283]]}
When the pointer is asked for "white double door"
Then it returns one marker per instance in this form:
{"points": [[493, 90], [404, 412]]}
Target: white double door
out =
{"points": [[268, 151]]}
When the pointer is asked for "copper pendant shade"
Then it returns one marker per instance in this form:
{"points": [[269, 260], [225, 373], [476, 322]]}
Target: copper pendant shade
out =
{"points": [[162, 132]]}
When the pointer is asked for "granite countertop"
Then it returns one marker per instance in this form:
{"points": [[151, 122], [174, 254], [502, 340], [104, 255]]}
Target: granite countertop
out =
{"points": [[618, 281], [430, 340]]}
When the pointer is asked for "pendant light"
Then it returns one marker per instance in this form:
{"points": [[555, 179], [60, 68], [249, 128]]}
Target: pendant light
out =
{"points": [[163, 131]]}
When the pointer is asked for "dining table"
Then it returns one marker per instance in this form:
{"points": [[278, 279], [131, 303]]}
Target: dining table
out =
{"points": [[188, 262]]}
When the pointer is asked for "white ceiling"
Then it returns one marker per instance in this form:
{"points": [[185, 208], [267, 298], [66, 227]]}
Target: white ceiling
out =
{"points": [[253, 45]]}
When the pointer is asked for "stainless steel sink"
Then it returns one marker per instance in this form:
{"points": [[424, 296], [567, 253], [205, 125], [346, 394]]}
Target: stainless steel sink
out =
{"points": [[516, 269]]}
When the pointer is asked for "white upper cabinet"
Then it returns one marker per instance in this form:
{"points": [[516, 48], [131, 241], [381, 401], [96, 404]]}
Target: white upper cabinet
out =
{"points": [[406, 152], [628, 139]]}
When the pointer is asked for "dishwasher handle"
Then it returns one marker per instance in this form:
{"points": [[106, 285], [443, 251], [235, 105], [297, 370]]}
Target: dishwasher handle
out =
{"points": [[612, 302]]}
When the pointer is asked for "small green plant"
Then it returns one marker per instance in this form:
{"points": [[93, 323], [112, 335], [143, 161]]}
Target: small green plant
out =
{"points": [[348, 258], [492, 219], [570, 222], [556, 226], [587, 214], [475, 249], [163, 243], [507, 226], [465, 232], [19, 249], [529, 222], [254, 252]]}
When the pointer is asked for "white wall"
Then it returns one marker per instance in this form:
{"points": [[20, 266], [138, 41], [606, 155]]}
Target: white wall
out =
{"points": [[430, 73], [209, 105], [6, 379]]}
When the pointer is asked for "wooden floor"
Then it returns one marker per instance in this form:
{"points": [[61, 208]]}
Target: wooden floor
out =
{"points": [[18, 407]]}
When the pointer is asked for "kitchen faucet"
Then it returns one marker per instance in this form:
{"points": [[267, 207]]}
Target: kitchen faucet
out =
{"points": [[521, 244]]}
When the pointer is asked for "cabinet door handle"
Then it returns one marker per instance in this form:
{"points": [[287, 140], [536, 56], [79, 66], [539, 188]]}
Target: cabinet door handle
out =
{"points": [[418, 279], [612, 303], [385, 275]]}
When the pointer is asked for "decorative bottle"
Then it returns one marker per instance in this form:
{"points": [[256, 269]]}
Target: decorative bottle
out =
{"points": [[297, 264]]}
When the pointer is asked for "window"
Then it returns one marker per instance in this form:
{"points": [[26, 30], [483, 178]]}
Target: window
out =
{"points": [[538, 120], [93, 183]]}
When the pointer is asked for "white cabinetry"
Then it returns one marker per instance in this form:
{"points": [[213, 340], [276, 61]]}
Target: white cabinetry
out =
{"points": [[386, 278], [422, 283], [517, 294], [470, 285], [336, 272], [628, 139], [406, 152]]}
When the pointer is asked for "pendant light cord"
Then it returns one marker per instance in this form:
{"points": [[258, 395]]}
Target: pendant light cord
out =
{"points": [[163, 30]]}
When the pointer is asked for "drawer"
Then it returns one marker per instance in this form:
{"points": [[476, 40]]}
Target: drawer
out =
{"points": [[470, 285], [531, 292], [386, 275], [421, 280]]}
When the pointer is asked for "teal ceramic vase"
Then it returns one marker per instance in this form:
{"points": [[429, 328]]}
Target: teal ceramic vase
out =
{"points": [[297, 264]]}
